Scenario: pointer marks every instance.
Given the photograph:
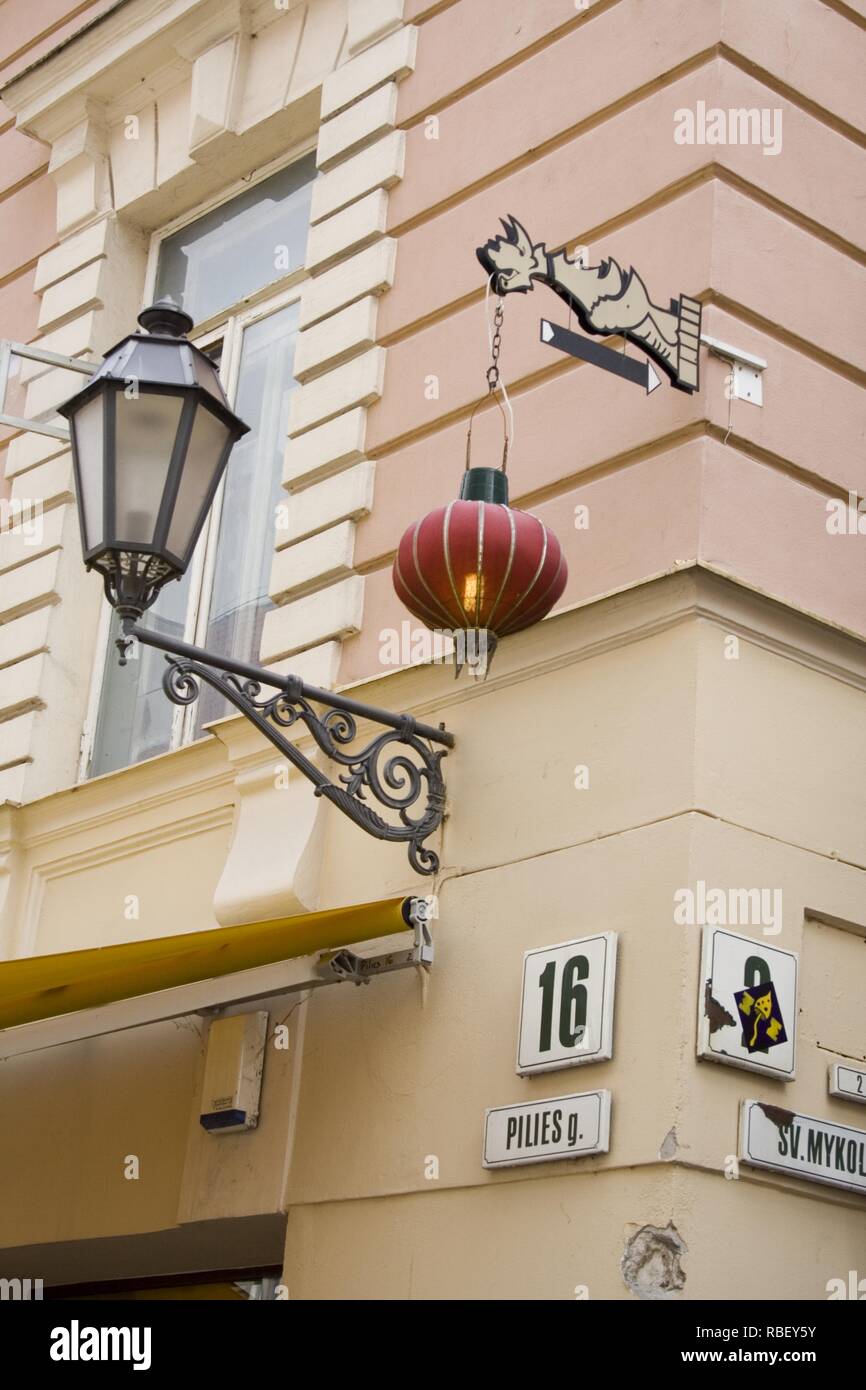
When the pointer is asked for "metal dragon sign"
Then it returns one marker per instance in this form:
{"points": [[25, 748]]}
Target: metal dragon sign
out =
{"points": [[607, 300]]}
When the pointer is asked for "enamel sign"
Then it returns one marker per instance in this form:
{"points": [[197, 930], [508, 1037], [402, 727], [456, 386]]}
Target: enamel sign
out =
{"points": [[848, 1083], [543, 1130], [566, 1011], [747, 1004], [802, 1146], [606, 300]]}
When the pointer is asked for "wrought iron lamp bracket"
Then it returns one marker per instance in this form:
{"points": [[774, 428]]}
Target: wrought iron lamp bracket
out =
{"points": [[396, 768]]}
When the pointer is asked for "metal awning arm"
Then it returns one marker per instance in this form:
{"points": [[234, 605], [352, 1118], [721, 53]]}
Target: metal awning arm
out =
{"points": [[8, 350], [347, 965]]}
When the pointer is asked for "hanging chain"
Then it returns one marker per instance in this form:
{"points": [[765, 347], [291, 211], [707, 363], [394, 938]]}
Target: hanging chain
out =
{"points": [[495, 348], [493, 384]]}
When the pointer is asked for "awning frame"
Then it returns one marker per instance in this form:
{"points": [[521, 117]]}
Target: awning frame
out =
{"points": [[296, 975]]}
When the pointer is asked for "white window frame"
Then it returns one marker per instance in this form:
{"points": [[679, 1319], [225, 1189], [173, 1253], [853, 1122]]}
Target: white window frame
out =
{"points": [[226, 327]]}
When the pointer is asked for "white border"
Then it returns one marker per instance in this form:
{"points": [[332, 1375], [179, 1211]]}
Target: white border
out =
{"points": [[704, 1051], [834, 1086], [746, 1109], [602, 1145], [604, 1051]]}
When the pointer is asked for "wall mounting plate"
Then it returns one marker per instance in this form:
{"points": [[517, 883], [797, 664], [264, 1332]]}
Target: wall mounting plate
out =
{"points": [[747, 384], [746, 378]]}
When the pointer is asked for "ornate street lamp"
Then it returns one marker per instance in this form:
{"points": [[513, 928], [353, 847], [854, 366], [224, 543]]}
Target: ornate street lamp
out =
{"points": [[151, 437]]}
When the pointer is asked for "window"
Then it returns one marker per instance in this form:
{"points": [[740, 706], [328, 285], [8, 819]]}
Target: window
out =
{"points": [[236, 269]]}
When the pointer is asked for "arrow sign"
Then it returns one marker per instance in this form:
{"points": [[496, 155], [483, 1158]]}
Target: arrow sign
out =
{"points": [[577, 346]]}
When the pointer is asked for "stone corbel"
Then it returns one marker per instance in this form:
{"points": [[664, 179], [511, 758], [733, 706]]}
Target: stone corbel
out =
{"points": [[218, 52], [273, 864], [79, 165], [372, 20]]}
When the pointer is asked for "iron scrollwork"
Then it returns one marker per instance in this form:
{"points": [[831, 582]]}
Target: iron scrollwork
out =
{"points": [[396, 768]]}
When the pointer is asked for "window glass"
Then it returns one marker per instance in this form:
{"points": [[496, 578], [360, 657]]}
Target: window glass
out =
{"points": [[249, 242], [135, 715], [239, 596]]}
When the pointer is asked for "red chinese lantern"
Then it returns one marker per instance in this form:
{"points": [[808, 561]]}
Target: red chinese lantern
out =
{"points": [[478, 568]]}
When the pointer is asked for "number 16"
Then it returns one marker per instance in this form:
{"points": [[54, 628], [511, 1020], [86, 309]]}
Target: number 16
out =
{"points": [[572, 1002]]}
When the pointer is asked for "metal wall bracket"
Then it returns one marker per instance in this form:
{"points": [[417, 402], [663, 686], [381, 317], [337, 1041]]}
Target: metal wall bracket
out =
{"points": [[360, 970], [8, 350], [398, 768], [746, 379]]}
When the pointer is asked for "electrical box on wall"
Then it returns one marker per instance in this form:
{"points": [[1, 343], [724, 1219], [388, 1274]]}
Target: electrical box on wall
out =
{"points": [[233, 1073]]}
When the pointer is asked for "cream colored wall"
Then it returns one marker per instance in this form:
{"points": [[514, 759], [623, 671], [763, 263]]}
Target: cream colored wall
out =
{"points": [[556, 1237], [77, 1120], [692, 776], [390, 1075]]}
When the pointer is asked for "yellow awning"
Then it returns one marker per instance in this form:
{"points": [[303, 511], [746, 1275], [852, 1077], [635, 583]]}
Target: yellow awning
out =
{"points": [[38, 987]]}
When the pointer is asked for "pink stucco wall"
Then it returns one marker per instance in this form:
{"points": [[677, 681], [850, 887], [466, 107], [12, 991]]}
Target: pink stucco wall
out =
{"points": [[567, 121], [28, 30]]}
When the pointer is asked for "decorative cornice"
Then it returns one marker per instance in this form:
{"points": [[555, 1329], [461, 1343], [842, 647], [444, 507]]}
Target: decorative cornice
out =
{"points": [[632, 614], [43, 96], [142, 36], [232, 17], [568, 637], [162, 784]]}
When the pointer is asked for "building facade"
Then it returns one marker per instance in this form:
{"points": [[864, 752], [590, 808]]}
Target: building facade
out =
{"points": [[678, 747]]}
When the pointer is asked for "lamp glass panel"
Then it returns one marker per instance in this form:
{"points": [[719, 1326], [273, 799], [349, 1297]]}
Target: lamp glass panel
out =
{"points": [[87, 429], [203, 458], [157, 362], [206, 376], [145, 431]]}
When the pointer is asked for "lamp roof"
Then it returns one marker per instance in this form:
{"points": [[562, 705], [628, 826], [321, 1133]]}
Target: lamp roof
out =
{"points": [[159, 356]]}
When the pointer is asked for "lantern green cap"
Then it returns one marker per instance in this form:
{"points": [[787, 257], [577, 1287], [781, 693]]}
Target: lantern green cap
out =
{"points": [[484, 485]]}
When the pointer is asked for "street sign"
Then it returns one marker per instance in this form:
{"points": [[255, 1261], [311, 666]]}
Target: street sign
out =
{"points": [[848, 1083], [747, 1004], [544, 1130], [608, 358], [802, 1146], [566, 1010]]}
